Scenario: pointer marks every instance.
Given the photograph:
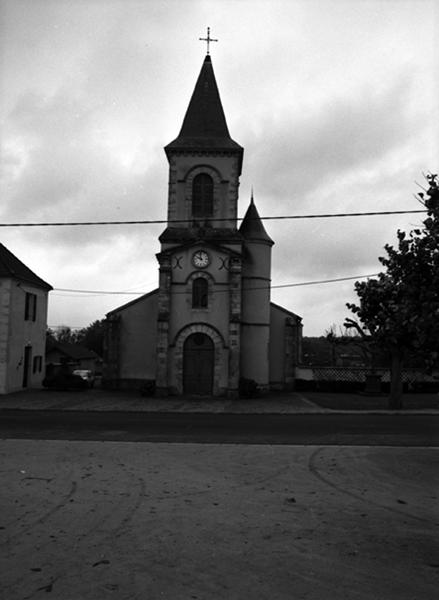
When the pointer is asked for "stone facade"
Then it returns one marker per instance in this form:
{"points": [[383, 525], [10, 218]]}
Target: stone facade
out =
{"points": [[213, 316]]}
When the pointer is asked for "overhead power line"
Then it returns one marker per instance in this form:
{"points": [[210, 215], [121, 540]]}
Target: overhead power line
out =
{"points": [[99, 292], [185, 221], [67, 326], [323, 281], [283, 285]]}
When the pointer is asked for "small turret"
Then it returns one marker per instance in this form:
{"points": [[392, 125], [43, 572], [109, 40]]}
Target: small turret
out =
{"points": [[256, 281], [252, 228]]}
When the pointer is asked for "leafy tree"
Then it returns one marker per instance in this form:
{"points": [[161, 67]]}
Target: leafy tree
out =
{"points": [[92, 337], [50, 335], [62, 334], [400, 309], [355, 337]]}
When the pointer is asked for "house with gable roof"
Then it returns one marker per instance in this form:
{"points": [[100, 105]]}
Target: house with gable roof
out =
{"points": [[23, 324], [76, 356]]}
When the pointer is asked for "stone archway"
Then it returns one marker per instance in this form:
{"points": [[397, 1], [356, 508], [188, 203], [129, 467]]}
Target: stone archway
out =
{"points": [[198, 364], [219, 356]]}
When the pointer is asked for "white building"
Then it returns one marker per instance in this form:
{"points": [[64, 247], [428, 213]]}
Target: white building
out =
{"points": [[23, 324]]}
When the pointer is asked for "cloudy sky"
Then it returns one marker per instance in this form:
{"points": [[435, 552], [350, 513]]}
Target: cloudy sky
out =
{"points": [[335, 103]]}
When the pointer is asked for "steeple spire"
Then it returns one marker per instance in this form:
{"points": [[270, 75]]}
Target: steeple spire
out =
{"points": [[204, 125]]}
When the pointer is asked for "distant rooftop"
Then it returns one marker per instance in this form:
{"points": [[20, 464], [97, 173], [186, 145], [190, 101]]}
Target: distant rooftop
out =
{"points": [[73, 351]]}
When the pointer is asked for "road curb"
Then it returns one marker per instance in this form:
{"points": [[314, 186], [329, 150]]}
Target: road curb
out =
{"points": [[323, 411]]}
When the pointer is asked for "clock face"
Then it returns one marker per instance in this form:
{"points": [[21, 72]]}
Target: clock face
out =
{"points": [[200, 259]]}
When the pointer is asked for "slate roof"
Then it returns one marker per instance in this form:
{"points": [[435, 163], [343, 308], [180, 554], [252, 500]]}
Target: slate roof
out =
{"points": [[12, 267], [74, 351], [252, 227], [184, 234], [204, 125], [131, 302], [286, 311]]}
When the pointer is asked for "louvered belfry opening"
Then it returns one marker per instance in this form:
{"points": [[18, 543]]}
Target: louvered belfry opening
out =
{"points": [[202, 196]]}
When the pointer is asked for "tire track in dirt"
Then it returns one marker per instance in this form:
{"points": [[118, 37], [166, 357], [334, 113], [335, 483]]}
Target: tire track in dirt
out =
{"points": [[129, 511], [43, 518], [128, 514], [313, 468], [118, 531]]}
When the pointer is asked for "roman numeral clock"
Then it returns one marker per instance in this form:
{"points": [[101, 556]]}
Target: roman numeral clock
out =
{"points": [[200, 259]]}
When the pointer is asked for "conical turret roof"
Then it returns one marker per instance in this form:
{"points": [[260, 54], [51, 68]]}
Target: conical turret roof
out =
{"points": [[204, 125], [252, 228]]}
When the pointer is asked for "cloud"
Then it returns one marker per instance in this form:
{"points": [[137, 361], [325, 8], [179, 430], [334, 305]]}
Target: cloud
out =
{"points": [[296, 154], [332, 103], [320, 306], [66, 169]]}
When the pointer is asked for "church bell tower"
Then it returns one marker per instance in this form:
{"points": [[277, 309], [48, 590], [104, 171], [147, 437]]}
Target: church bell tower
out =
{"points": [[200, 262]]}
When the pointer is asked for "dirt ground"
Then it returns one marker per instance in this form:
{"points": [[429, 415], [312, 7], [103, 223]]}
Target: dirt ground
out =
{"points": [[98, 520]]}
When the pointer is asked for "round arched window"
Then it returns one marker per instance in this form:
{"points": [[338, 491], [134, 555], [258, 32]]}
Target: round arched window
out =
{"points": [[200, 289], [202, 196]]}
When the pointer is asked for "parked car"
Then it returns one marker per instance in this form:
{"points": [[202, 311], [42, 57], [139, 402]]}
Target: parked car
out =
{"points": [[64, 381], [86, 375]]}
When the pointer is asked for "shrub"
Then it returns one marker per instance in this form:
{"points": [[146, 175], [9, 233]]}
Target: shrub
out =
{"points": [[248, 388], [148, 388]]}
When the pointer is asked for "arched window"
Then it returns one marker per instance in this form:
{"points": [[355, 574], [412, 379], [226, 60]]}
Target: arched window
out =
{"points": [[202, 196], [200, 289]]}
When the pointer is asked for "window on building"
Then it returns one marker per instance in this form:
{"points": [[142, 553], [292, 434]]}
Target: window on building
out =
{"points": [[199, 292], [202, 196], [30, 308], [38, 364]]}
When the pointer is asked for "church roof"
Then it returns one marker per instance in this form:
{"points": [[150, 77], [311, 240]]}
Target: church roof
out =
{"points": [[185, 234], [252, 227], [204, 125], [114, 312], [290, 313], [11, 266]]}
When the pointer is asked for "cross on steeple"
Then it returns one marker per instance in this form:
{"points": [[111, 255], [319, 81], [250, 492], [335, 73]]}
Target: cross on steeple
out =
{"points": [[207, 39]]}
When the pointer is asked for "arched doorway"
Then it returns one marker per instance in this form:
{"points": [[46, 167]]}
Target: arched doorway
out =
{"points": [[198, 361]]}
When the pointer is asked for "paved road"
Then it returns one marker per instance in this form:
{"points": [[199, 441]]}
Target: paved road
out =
{"points": [[333, 429]]}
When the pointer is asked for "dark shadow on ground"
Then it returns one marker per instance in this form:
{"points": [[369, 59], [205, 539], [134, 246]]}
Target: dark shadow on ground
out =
{"points": [[340, 401]]}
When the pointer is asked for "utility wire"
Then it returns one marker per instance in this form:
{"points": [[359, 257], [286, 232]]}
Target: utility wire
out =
{"points": [[185, 221], [254, 288], [67, 326], [98, 292], [322, 281], [284, 285]]}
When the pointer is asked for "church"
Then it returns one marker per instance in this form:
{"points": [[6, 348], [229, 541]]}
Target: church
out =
{"points": [[210, 325]]}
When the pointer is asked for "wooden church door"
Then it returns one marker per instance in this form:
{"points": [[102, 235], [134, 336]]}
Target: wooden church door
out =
{"points": [[198, 358]]}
